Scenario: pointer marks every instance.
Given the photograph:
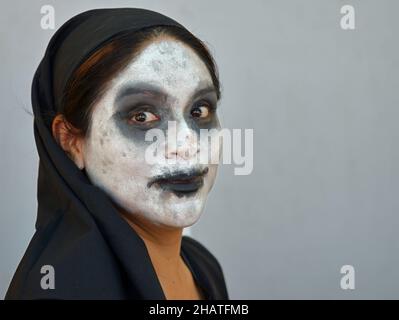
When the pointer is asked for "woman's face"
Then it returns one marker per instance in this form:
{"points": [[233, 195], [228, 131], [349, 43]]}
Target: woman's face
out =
{"points": [[167, 81]]}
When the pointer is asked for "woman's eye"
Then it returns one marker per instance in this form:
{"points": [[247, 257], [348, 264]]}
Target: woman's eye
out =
{"points": [[200, 112], [143, 117]]}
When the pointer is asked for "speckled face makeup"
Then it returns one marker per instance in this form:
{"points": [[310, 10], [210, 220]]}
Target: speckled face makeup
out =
{"points": [[167, 81]]}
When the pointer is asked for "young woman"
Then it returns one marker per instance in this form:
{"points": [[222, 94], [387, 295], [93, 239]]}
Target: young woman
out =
{"points": [[109, 221]]}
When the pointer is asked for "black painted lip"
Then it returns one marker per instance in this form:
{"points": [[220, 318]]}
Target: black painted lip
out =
{"points": [[181, 182]]}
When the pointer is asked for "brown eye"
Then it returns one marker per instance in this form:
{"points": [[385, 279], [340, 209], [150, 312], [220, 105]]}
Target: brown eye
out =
{"points": [[144, 117], [200, 112]]}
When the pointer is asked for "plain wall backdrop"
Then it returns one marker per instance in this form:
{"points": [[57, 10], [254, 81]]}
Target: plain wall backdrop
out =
{"points": [[323, 104]]}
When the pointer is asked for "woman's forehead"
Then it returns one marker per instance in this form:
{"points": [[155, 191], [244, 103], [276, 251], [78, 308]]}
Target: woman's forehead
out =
{"points": [[169, 64]]}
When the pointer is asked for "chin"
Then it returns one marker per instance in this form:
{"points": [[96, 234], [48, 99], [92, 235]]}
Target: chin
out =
{"points": [[166, 208], [179, 215], [183, 222]]}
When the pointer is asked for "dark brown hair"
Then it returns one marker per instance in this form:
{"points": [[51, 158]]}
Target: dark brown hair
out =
{"points": [[89, 81]]}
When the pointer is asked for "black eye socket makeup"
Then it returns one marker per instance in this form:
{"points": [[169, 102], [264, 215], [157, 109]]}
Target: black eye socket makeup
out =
{"points": [[140, 111], [143, 116], [203, 106], [152, 100], [153, 93]]}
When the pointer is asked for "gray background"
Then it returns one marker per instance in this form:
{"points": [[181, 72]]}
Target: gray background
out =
{"points": [[323, 103]]}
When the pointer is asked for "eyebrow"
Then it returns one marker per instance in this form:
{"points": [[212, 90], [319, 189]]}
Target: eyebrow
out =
{"points": [[140, 88]]}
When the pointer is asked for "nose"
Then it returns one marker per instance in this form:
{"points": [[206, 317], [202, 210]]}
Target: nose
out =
{"points": [[181, 141]]}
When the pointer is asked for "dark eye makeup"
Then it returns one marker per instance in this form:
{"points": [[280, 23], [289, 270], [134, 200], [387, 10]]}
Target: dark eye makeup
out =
{"points": [[145, 107], [139, 115], [130, 111], [203, 110], [143, 117]]}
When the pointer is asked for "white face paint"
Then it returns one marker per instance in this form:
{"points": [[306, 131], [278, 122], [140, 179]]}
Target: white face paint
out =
{"points": [[167, 81]]}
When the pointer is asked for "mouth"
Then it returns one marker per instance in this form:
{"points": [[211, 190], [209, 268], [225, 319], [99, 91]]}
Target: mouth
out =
{"points": [[181, 183]]}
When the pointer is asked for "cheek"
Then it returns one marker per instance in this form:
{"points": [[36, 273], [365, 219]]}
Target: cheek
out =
{"points": [[109, 153]]}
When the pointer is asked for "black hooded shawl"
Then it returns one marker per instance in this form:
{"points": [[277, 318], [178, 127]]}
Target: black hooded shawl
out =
{"points": [[93, 250]]}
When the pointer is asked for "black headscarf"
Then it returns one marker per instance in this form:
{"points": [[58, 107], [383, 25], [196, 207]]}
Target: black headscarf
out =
{"points": [[94, 252]]}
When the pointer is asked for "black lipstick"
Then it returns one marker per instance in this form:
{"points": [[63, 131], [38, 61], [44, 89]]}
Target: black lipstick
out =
{"points": [[182, 183]]}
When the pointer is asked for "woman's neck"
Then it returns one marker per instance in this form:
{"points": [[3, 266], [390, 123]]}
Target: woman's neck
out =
{"points": [[163, 245]]}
